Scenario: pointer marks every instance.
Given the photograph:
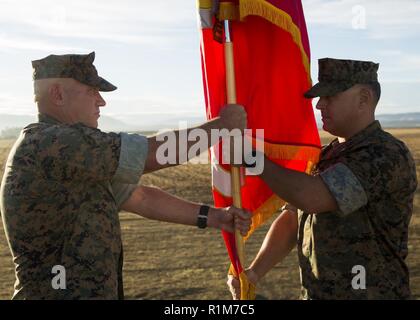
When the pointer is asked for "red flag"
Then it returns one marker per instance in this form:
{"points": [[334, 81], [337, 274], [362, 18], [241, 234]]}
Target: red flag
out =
{"points": [[272, 67]]}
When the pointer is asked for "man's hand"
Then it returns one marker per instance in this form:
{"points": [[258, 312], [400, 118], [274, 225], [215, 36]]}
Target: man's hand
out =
{"points": [[235, 286], [233, 116], [230, 218]]}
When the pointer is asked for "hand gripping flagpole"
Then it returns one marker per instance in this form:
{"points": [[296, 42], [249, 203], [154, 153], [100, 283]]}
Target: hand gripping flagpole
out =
{"points": [[247, 289]]}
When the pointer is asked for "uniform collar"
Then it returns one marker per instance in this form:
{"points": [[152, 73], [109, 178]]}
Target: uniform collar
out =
{"points": [[358, 138], [369, 130], [42, 117]]}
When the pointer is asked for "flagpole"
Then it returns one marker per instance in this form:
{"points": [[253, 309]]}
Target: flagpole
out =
{"points": [[235, 171]]}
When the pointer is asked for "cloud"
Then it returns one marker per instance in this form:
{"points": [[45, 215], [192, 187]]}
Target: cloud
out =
{"points": [[151, 104], [382, 19], [7, 43], [128, 21], [399, 67], [47, 12], [68, 26], [17, 104]]}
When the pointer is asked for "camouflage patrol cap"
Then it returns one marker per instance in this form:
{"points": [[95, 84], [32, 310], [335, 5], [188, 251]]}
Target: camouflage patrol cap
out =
{"points": [[76, 66], [335, 76]]}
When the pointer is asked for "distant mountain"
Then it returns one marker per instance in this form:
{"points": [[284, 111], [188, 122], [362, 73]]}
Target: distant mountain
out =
{"points": [[123, 122], [401, 120], [15, 121], [9, 121], [111, 124], [397, 120], [158, 121]]}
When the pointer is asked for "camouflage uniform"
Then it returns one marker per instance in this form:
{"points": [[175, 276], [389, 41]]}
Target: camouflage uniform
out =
{"points": [[372, 177], [339, 75], [76, 66], [61, 192]]}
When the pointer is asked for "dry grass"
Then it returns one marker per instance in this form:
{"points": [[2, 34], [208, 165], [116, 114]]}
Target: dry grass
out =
{"points": [[166, 261]]}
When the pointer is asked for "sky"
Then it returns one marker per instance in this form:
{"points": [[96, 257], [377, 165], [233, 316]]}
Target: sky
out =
{"points": [[150, 49]]}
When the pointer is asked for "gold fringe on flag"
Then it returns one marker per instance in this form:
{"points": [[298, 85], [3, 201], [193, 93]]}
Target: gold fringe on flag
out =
{"points": [[228, 11], [289, 152], [279, 18], [205, 4]]}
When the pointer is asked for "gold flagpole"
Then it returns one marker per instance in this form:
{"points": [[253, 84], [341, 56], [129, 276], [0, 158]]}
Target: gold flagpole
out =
{"points": [[246, 293]]}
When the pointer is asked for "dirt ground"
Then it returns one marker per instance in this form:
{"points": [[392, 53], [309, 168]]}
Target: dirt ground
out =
{"points": [[166, 261]]}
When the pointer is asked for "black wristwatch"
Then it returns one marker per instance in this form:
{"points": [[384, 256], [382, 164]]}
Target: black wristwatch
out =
{"points": [[202, 217]]}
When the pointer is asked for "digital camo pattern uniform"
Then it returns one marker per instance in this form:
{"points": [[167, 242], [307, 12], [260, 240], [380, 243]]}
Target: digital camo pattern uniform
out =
{"points": [[76, 66], [60, 198], [339, 75], [373, 178]]}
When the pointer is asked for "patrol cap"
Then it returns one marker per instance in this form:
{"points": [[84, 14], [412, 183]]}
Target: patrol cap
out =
{"points": [[76, 66], [336, 75]]}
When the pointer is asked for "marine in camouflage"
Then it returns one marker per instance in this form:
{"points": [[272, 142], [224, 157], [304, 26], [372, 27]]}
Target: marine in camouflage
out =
{"points": [[373, 179], [61, 192]]}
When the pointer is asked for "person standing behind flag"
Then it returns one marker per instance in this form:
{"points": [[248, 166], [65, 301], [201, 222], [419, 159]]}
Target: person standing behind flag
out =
{"points": [[351, 228], [65, 182]]}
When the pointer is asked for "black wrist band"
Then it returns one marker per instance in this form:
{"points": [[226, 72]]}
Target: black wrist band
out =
{"points": [[202, 217]]}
